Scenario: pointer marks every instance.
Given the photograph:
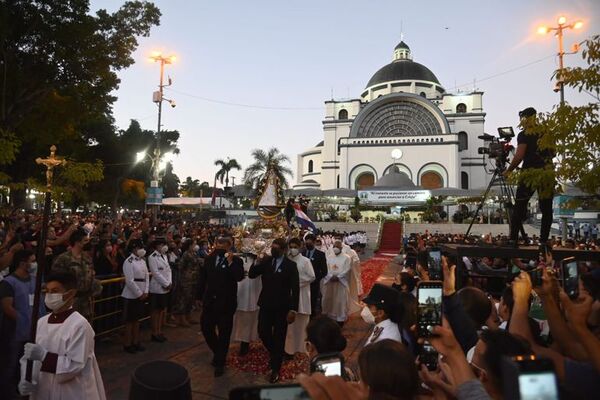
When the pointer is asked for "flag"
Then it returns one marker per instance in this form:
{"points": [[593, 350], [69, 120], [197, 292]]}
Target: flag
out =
{"points": [[303, 220]]}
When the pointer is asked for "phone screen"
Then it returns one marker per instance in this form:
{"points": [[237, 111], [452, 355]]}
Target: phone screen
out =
{"points": [[330, 367], [434, 264], [571, 283], [430, 308], [538, 386], [428, 356]]}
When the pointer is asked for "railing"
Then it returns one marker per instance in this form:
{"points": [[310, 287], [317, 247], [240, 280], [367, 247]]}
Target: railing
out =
{"points": [[108, 308]]}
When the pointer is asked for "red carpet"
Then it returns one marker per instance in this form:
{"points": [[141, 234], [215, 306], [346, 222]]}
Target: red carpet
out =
{"points": [[257, 359], [391, 238]]}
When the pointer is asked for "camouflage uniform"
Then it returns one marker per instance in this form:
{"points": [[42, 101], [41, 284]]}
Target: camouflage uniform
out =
{"points": [[189, 265], [87, 286]]}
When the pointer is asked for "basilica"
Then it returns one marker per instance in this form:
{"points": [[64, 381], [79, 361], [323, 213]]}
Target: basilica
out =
{"points": [[404, 118]]}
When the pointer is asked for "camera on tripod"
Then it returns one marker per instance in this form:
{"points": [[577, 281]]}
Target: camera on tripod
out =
{"points": [[498, 148]]}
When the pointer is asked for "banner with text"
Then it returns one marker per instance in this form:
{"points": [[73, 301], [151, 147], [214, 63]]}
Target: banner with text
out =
{"points": [[394, 196]]}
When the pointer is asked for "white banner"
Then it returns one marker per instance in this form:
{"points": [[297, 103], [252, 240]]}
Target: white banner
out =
{"points": [[394, 196]]}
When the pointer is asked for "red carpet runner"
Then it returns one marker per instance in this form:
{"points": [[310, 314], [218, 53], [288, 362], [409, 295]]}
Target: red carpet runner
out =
{"points": [[391, 238], [257, 359]]}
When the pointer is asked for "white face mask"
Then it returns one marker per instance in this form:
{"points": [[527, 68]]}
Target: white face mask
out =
{"points": [[294, 252], [54, 301], [140, 253], [164, 249], [367, 316], [32, 268], [337, 250]]}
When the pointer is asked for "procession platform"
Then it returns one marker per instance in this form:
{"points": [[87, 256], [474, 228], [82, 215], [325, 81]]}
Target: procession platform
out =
{"points": [[188, 348]]}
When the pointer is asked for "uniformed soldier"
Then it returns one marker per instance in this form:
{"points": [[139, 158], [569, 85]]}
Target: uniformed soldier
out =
{"points": [[160, 287], [135, 294], [76, 262], [383, 310]]}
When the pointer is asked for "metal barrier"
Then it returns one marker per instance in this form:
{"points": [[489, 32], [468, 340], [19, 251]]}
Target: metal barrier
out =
{"points": [[108, 308]]}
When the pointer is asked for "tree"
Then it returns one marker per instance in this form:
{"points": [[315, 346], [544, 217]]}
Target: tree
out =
{"points": [[225, 168], [58, 72], [190, 187], [256, 172], [170, 182], [572, 133]]}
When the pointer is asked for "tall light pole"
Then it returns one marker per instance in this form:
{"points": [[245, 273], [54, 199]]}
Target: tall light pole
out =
{"points": [[158, 98], [562, 25]]}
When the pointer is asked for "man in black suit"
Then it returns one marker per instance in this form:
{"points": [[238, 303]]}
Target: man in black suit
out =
{"points": [[278, 301], [218, 291], [319, 263]]}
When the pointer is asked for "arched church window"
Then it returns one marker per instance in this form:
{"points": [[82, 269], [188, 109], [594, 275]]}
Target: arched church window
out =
{"points": [[310, 166], [365, 180], [464, 180], [343, 114], [422, 94], [461, 108], [431, 180], [463, 141]]}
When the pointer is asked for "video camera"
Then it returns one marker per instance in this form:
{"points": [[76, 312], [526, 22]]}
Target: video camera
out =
{"points": [[500, 147]]}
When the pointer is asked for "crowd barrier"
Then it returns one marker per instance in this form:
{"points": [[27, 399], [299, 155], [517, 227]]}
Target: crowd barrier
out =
{"points": [[108, 307]]}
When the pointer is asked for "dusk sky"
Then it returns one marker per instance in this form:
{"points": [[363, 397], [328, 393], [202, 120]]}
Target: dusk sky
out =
{"points": [[283, 59]]}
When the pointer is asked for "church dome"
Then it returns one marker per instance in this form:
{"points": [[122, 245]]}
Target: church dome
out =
{"points": [[402, 68], [395, 179]]}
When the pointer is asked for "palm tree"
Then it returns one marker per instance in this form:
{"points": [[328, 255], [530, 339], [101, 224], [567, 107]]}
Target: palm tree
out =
{"points": [[190, 187], [256, 172], [226, 166]]}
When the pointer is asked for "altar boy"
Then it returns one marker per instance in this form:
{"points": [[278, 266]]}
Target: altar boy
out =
{"points": [[64, 363]]}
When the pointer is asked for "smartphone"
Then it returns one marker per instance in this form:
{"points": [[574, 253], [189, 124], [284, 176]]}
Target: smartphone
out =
{"points": [[269, 392], [434, 264], [529, 378], [331, 364], [428, 356], [570, 277], [429, 297]]}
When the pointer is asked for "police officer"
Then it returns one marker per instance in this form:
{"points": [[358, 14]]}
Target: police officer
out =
{"points": [[135, 294], [160, 287], [533, 158], [382, 310]]}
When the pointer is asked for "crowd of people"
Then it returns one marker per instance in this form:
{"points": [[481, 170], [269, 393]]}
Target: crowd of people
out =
{"points": [[295, 297]]}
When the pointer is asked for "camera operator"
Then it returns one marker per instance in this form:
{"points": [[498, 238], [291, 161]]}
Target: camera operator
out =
{"points": [[532, 157]]}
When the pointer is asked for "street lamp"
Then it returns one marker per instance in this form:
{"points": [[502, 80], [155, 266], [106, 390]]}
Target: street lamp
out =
{"points": [[562, 25]]}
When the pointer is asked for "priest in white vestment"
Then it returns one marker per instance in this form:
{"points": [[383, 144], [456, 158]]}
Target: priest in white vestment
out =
{"points": [[245, 319], [336, 285], [354, 280], [296, 333], [64, 363]]}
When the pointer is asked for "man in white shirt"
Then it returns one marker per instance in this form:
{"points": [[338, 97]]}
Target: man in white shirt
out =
{"points": [[160, 287], [135, 294], [245, 319], [296, 333], [64, 363], [335, 285]]}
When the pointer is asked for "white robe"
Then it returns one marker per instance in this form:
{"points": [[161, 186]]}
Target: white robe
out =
{"points": [[245, 320], [354, 281], [335, 294], [296, 333], [77, 375]]}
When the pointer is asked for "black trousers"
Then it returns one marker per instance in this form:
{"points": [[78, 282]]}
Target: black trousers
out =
{"points": [[216, 327], [272, 329], [522, 197], [315, 298]]}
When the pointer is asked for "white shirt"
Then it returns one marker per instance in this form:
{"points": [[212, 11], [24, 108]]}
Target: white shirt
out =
{"points": [[385, 330], [161, 273], [77, 376], [136, 277], [248, 289], [306, 275]]}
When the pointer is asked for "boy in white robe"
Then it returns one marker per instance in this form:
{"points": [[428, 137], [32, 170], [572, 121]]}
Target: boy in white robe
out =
{"points": [[296, 333], [64, 363], [245, 319], [335, 285]]}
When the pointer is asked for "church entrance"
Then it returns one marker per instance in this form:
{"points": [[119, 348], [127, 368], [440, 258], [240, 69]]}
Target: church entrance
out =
{"points": [[431, 180], [364, 180]]}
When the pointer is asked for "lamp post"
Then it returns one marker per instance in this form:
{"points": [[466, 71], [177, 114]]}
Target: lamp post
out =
{"points": [[158, 98], [562, 25]]}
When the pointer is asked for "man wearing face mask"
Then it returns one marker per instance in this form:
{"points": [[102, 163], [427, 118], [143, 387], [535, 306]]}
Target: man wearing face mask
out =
{"points": [[160, 287], [135, 293], [217, 288], [16, 302], [296, 335], [64, 363], [319, 264], [335, 285], [382, 310], [278, 301]]}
